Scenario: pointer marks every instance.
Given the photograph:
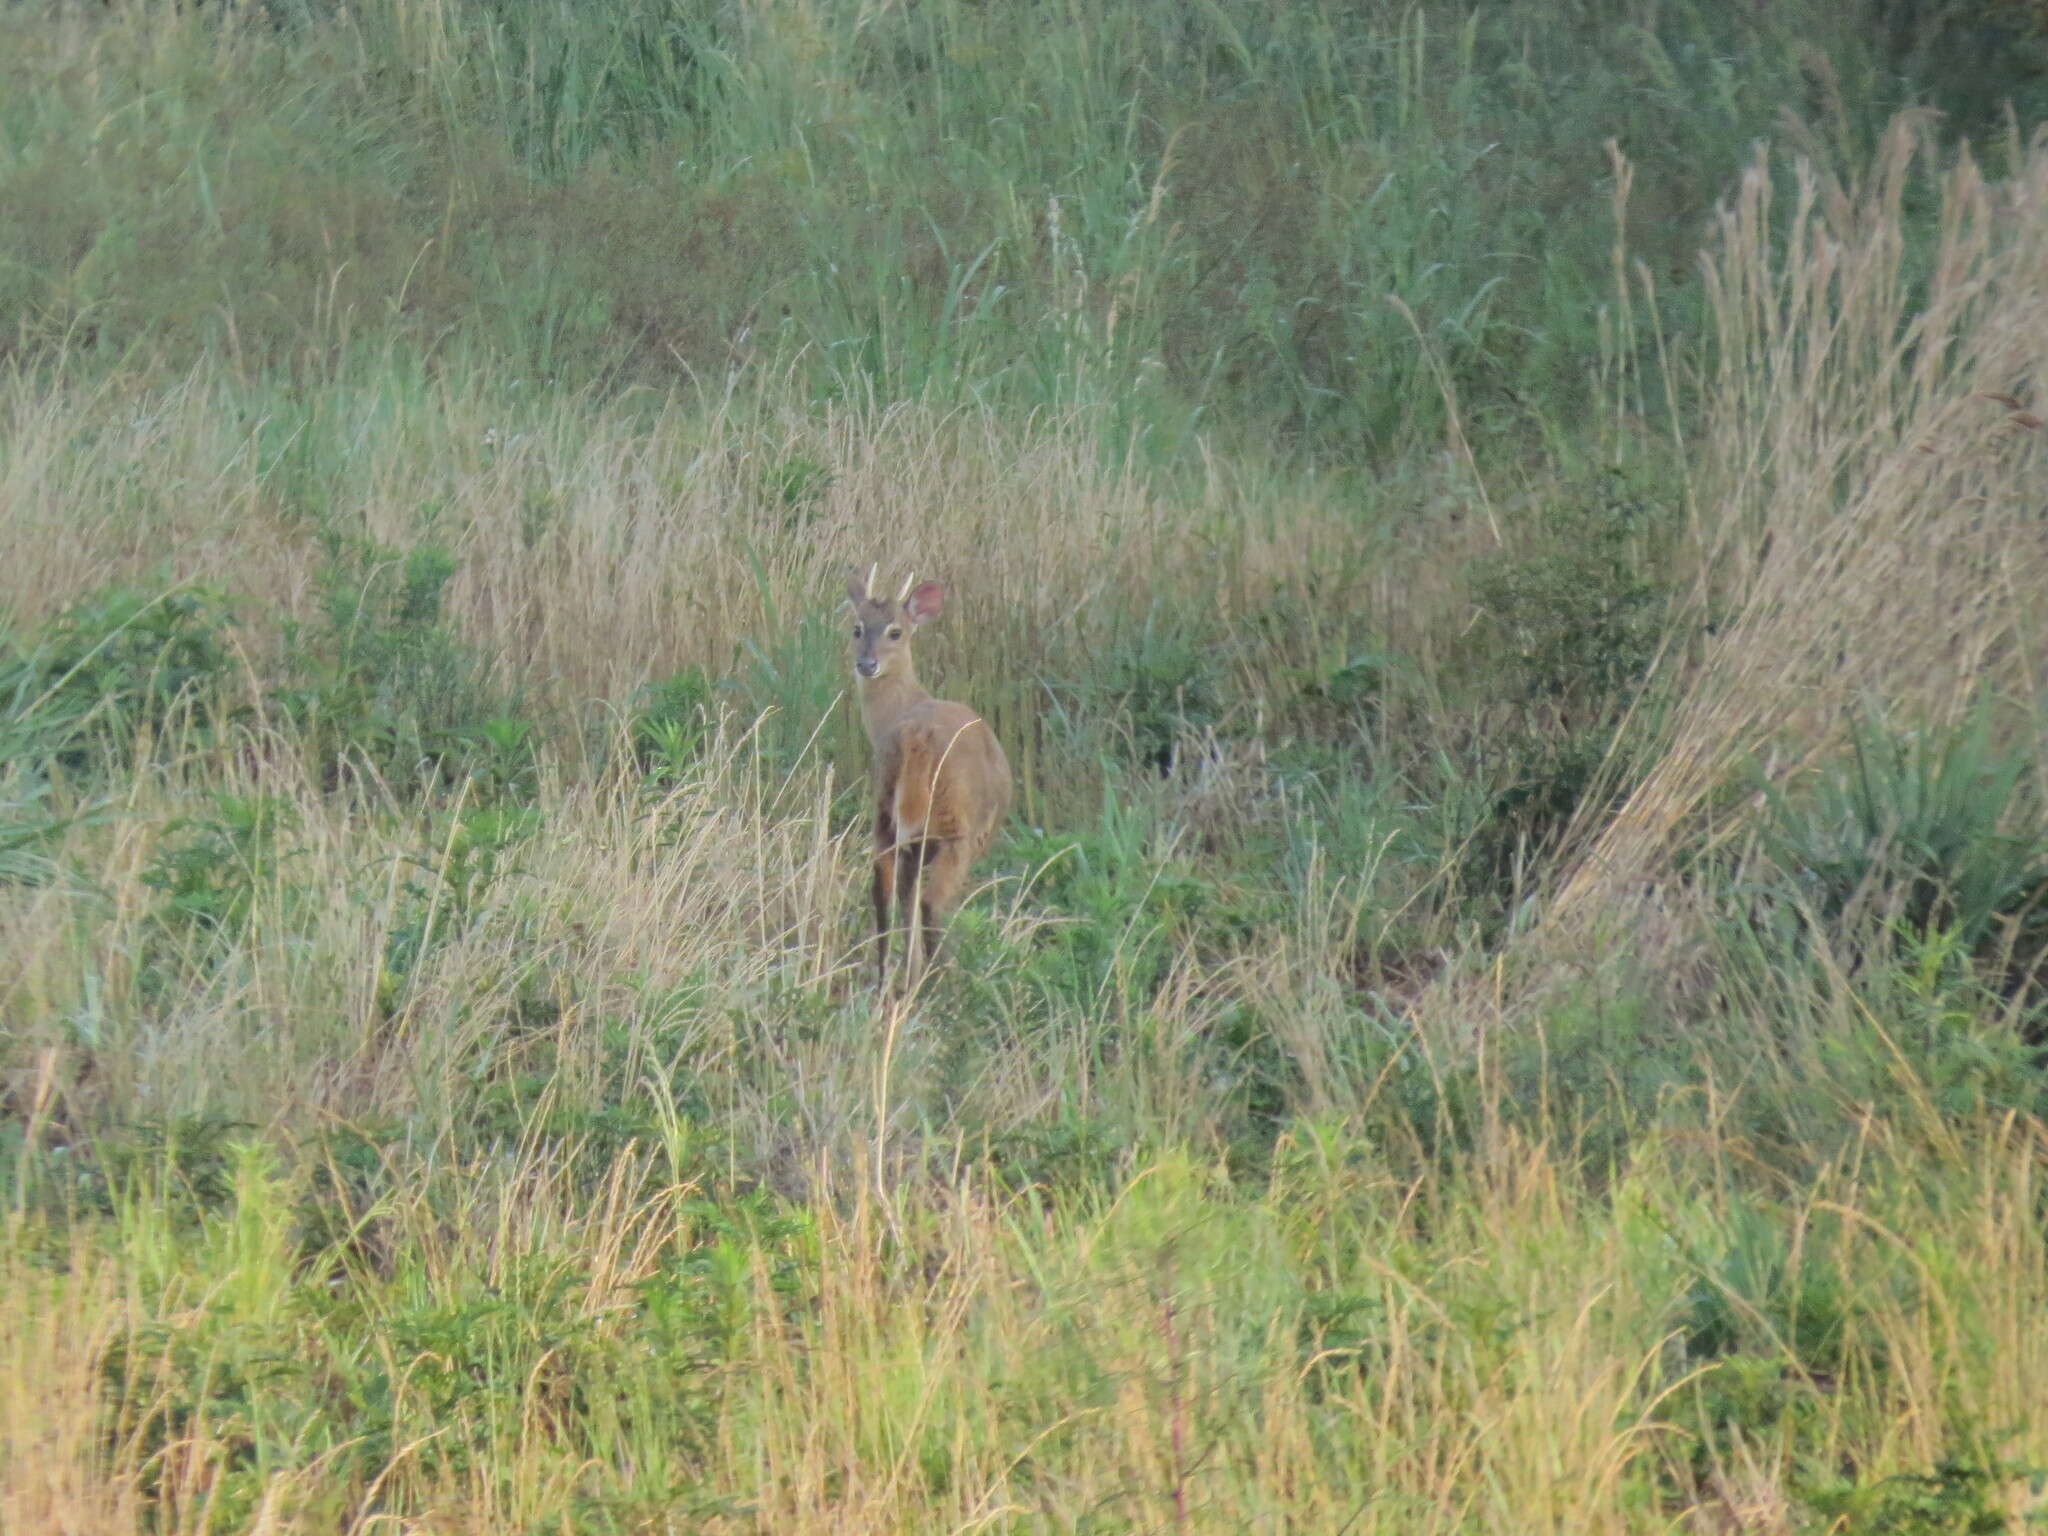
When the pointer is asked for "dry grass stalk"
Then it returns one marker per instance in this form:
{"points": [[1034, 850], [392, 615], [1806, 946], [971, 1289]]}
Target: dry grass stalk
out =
{"points": [[1869, 528]]}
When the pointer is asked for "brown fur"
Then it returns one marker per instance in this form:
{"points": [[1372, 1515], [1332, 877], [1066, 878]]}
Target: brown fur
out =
{"points": [[942, 784]]}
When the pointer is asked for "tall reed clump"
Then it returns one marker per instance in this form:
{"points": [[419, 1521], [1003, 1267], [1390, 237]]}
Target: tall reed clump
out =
{"points": [[1863, 524]]}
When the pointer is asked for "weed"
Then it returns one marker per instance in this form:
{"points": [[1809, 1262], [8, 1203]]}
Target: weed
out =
{"points": [[670, 719], [1963, 1495], [206, 870], [381, 685], [117, 669], [1161, 685], [450, 884], [1920, 833], [1577, 618], [788, 686], [797, 485], [1066, 1155]]}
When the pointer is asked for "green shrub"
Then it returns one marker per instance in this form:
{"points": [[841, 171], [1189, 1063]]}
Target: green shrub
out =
{"points": [[1119, 909], [380, 685], [462, 864], [115, 669], [1916, 832], [787, 688], [797, 486], [1159, 685], [1574, 620], [1963, 1495], [206, 869], [669, 721]]}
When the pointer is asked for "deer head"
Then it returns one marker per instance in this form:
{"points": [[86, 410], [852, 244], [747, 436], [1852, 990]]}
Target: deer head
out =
{"points": [[882, 627]]}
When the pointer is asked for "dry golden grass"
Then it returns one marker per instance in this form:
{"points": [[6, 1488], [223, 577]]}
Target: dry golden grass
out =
{"points": [[601, 544], [1865, 519]]}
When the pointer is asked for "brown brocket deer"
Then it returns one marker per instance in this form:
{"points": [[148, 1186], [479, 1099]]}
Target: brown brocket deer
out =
{"points": [[942, 784]]}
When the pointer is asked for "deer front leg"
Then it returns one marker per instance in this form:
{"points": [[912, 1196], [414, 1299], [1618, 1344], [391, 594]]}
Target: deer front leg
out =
{"points": [[909, 883], [884, 893]]}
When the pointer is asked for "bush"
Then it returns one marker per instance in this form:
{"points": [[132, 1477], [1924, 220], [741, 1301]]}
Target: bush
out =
{"points": [[206, 869], [1160, 685], [670, 719], [1573, 620], [381, 685], [1964, 1495], [1919, 832], [114, 669]]}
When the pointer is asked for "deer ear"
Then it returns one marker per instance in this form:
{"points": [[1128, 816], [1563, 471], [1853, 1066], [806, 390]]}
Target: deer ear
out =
{"points": [[923, 605]]}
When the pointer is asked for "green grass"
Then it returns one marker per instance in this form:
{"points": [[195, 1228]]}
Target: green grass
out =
{"points": [[1511, 995]]}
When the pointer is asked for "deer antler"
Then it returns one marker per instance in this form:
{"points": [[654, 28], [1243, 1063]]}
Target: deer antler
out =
{"points": [[908, 582], [870, 586]]}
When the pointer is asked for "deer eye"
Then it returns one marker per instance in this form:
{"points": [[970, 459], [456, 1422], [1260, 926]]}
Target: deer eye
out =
{"points": [[895, 631], [857, 631]]}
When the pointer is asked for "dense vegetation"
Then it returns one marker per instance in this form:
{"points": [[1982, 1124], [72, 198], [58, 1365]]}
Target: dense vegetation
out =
{"points": [[1504, 545]]}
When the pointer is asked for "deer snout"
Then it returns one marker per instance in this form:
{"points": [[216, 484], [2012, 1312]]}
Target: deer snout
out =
{"points": [[867, 666]]}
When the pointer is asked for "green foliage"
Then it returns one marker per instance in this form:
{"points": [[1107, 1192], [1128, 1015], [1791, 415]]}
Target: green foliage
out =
{"points": [[1549, 778], [1119, 911], [186, 180], [475, 1353], [1760, 1287], [1299, 222], [117, 669], [1576, 618], [789, 685], [381, 686], [185, 1162], [112, 673], [1069, 1155], [32, 738], [1345, 693], [341, 1214], [1569, 623], [571, 83], [453, 879], [670, 719], [797, 486], [1766, 1322], [207, 870], [26, 830], [1963, 1495], [1160, 684], [1920, 832], [337, 1354], [698, 1303], [1492, 821]]}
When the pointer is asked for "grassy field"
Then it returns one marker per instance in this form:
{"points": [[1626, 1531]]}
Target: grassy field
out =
{"points": [[1504, 546]]}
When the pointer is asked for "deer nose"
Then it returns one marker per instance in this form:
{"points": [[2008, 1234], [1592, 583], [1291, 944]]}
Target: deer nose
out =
{"points": [[867, 666]]}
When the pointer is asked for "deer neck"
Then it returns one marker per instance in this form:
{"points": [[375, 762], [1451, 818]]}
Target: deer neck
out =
{"points": [[884, 699]]}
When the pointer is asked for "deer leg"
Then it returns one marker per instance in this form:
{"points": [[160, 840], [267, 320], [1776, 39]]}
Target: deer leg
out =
{"points": [[909, 882], [884, 893], [944, 882]]}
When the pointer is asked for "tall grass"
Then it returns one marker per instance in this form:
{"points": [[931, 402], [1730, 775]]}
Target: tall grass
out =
{"points": [[1862, 528], [1297, 219], [1511, 997]]}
